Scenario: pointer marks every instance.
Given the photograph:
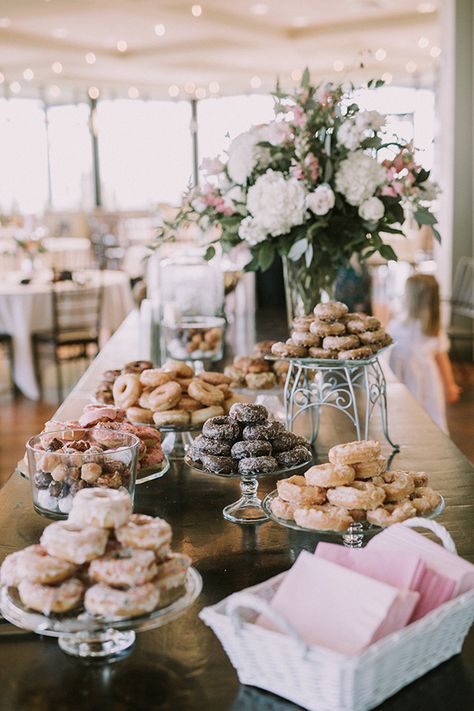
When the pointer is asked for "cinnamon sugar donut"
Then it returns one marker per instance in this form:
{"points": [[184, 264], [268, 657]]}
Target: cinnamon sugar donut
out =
{"points": [[126, 390], [322, 353], [323, 518], [302, 323], [371, 468], [70, 542], [103, 508], [391, 513], [204, 392], [35, 565], [425, 499], [329, 475], [397, 485], [283, 509], [109, 602], [171, 417], [154, 377], [305, 339], [340, 343], [359, 495], [355, 353], [353, 452], [46, 599], [330, 311], [296, 491], [164, 397], [327, 328], [288, 350], [144, 531]]}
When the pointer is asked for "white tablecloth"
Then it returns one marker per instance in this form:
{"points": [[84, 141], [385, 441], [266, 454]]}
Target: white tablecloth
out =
{"points": [[25, 309], [67, 253]]}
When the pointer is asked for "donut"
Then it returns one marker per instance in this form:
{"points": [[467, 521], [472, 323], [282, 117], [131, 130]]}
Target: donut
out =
{"points": [[139, 414], [260, 381], [340, 343], [288, 350], [171, 417], [146, 532], [94, 414], [103, 508], [216, 464], [257, 465], [215, 378], [35, 565], [293, 457], [205, 445], [124, 567], [419, 478], [242, 362], [9, 574], [296, 491], [397, 485], [109, 602], [205, 413], [356, 326], [302, 323], [110, 376], [285, 441], [137, 366], [306, 339], [322, 353], [164, 397], [264, 348], [153, 458], [183, 383], [323, 518], [236, 375], [371, 323], [369, 469], [172, 572], [204, 392], [178, 368], [327, 328], [369, 337], [359, 495], [355, 353], [68, 541], [51, 598], [153, 377], [330, 310], [425, 499], [251, 448], [391, 513], [268, 430], [354, 452], [329, 475], [126, 390], [248, 413], [223, 428], [282, 508], [188, 404]]}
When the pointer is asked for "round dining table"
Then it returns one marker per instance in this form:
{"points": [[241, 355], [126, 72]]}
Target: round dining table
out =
{"points": [[27, 308]]}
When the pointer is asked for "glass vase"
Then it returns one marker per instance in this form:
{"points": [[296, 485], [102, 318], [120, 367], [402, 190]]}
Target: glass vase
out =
{"points": [[306, 285]]}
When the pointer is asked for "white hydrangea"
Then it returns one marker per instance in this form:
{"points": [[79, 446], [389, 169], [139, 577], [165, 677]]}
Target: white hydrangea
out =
{"points": [[277, 204], [321, 200], [372, 209], [275, 132], [245, 155], [349, 135], [358, 177], [251, 231], [369, 120]]}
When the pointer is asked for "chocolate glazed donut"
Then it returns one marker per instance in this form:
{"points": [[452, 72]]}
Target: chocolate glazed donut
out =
{"points": [[293, 457], [251, 448], [205, 445], [221, 428]]}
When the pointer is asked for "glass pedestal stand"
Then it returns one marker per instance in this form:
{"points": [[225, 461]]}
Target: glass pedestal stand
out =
{"points": [[176, 441]]}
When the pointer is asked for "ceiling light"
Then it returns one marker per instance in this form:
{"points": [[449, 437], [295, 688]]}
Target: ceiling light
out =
{"points": [[160, 29], [380, 54], [54, 91], [423, 42], [410, 67], [93, 92], [28, 74], [296, 74], [426, 7], [5, 22], [133, 93], [173, 90], [255, 82], [196, 10], [60, 33], [387, 77], [435, 51], [260, 8], [2, 77], [201, 93], [214, 87], [190, 88], [338, 65], [90, 58], [122, 46], [15, 87], [300, 21], [57, 67]]}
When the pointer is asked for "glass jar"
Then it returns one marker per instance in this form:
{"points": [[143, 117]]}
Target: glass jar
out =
{"points": [[194, 338]]}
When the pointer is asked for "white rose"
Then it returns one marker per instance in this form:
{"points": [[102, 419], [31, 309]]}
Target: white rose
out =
{"points": [[277, 204], [198, 205], [369, 120], [251, 232], [321, 200], [245, 155], [349, 135], [358, 177], [372, 209], [212, 166]]}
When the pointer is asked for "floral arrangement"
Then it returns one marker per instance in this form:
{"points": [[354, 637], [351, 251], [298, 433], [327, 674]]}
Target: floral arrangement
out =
{"points": [[308, 186]]}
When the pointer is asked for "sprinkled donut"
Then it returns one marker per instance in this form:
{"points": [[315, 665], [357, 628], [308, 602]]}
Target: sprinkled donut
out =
{"points": [[216, 464], [172, 572], [323, 518], [205, 445], [296, 491], [397, 485], [330, 311], [287, 440], [221, 428], [137, 366], [288, 350], [146, 532], [205, 392], [369, 469], [305, 339], [326, 328], [154, 377], [353, 452], [124, 567], [359, 495], [268, 430], [48, 598], [282, 508], [322, 353], [257, 465], [328, 475], [70, 542], [251, 414], [293, 457], [109, 602], [37, 566], [340, 343], [205, 413], [103, 508], [126, 390], [355, 353], [425, 499], [164, 397], [171, 417], [391, 513], [251, 448]]}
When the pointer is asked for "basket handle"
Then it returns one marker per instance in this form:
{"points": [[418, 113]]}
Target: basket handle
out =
{"points": [[241, 601], [436, 528]]}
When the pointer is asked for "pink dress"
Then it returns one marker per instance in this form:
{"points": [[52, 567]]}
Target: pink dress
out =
{"points": [[412, 359]]}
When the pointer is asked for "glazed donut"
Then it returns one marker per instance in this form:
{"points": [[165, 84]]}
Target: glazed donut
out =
{"points": [[154, 377], [36, 566], [205, 445], [205, 413], [302, 323], [354, 452], [103, 508], [94, 414], [217, 464], [249, 413], [48, 598], [139, 414], [391, 513], [251, 448], [296, 491], [268, 430], [257, 465], [67, 541], [109, 376], [143, 399], [288, 350], [305, 339], [188, 404], [124, 567], [9, 574], [282, 508], [205, 392], [215, 378], [323, 518], [355, 353], [327, 328], [397, 485], [355, 325], [330, 311], [172, 572], [126, 390], [146, 532], [137, 366], [340, 343], [425, 499], [260, 381], [109, 602], [329, 475], [171, 417], [164, 397], [184, 383], [359, 495], [369, 337], [178, 367], [258, 365], [367, 470], [371, 323], [223, 428], [293, 457]]}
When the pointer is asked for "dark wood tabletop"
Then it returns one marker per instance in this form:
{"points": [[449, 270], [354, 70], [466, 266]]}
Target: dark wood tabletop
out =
{"points": [[182, 665]]}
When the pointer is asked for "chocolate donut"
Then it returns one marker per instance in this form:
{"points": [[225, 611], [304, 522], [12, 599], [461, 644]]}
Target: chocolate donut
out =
{"points": [[217, 465], [221, 428], [253, 414], [257, 465], [285, 441], [194, 453], [137, 366], [206, 445], [268, 431], [251, 448], [292, 457]]}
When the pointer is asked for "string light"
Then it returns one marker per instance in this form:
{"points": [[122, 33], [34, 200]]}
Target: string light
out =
{"points": [[28, 74], [90, 58], [410, 67], [133, 93], [380, 54], [338, 65], [173, 90], [15, 87], [57, 67], [122, 46], [160, 29], [190, 88], [387, 77], [296, 74], [196, 10], [255, 82], [423, 42], [435, 51], [93, 92], [201, 93], [214, 87]]}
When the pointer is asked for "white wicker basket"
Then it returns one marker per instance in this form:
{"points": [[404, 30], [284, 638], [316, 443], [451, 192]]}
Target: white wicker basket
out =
{"points": [[320, 679]]}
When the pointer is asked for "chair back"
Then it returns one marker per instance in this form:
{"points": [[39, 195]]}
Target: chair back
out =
{"points": [[77, 309], [462, 299]]}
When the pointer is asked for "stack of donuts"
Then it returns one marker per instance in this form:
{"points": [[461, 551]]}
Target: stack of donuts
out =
{"points": [[256, 373], [246, 442], [114, 563], [353, 487], [171, 394], [333, 333]]}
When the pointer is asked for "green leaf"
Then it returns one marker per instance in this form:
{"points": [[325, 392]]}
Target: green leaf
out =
{"points": [[372, 142], [210, 253], [391, 230], [387, 252], [266, 256], [425, 217], [305, 79], [308, 257], [298, 249], [253, 265], [328, 171], [436, 234]]}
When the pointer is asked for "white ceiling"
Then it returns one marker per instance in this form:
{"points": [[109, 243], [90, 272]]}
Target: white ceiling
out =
{"points": [[232, 42]]}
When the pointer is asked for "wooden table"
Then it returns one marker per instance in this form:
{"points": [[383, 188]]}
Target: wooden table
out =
{"points": [[182, 666]]}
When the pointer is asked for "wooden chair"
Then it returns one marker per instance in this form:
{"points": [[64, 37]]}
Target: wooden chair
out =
{"points": [[6, 341], [77, 315], [462, 298]]}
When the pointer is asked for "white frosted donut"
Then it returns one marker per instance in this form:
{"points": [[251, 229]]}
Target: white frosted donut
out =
{"points": [[340, 343], [397, 485], [143, 531], [109, 602], [359, 495], [302, 323], [37, 566], [164, 397], [326, 475], [205, 413], [323, 518], [425, 499], [283, 509], [153, 377], [391, 513], [9, 574], [172, 572], [126, 390], [305, 339], [296, 490], [124, 567], [354, 452], [367, 470], [103, 508], [171, 417], [68, 541], [48, 598]]}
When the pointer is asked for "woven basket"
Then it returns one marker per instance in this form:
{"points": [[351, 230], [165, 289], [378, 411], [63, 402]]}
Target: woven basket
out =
{"points": [[323, 680]]}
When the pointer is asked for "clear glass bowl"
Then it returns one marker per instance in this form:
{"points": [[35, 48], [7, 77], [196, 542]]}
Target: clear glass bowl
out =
{"points": [[195, 338], [62, 462]]}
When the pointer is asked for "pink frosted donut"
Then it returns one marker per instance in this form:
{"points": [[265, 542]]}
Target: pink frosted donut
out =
{"points": [[109, 602], [152, 458], [124, 567], [93, 414]]}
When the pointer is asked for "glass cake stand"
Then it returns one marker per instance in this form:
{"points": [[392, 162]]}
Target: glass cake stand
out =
{"points": [[93, 637], [177, 438], [353, 537], [247, 509]]}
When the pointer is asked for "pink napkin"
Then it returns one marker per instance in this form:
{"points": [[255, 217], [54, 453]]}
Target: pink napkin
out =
{"points": [[338, 608]]}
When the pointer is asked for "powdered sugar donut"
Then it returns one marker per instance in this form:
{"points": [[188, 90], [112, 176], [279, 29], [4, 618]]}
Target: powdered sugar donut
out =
{"points": [[47, 599], [124, 567], [146, 532], [323, 518], [340, 343], [359, 495], [354, 452], [330, 311], [283, 509], [425, 499], [397, 485], [37, 566], [296, 490], [371, 468], [391, 513], [68, 541], [103, 508], [109, 602], [327, 475]]}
